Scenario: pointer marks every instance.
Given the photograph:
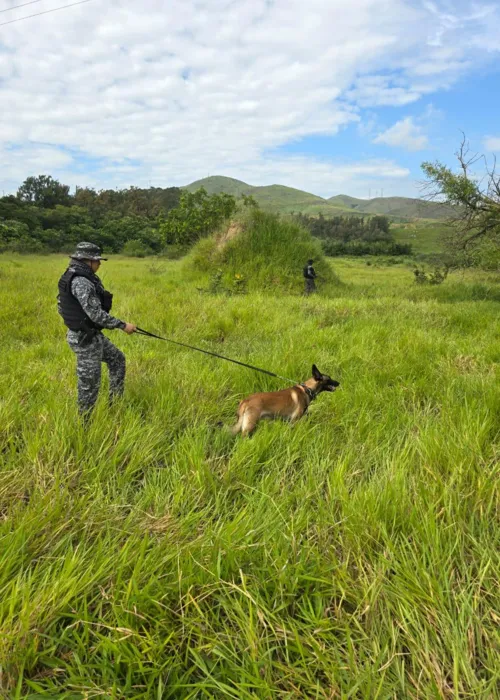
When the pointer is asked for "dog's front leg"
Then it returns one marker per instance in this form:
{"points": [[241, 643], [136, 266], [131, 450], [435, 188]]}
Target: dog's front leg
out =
{"points": [[297, 416]]}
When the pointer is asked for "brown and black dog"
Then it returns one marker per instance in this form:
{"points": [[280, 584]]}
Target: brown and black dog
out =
{"points": [[287, 403]]}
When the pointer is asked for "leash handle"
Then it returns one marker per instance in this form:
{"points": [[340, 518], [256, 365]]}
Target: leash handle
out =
{"points": [[141, 331]]}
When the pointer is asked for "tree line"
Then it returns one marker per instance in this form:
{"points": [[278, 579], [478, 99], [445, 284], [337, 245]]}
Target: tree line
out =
{"points": [[354, 235], [44, 217]]}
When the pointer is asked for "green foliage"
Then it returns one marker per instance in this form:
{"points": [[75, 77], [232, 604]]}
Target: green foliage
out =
{"points": [[134, 201], [43, 191], [56, 220], [217, 284], [348, 228], [352, 555], [354, 235], [11, 230], [435, 276], [116, 231], [268, 250], [249, 201], [334, 248], [485, 254], [457, 188], [174, 251], [475, 238], [13, 209], [136, 249], [197, 216], [15, 237]]}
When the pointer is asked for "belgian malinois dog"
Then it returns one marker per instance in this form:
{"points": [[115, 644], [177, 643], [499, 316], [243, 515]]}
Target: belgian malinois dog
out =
{"points": [[290, 404]]}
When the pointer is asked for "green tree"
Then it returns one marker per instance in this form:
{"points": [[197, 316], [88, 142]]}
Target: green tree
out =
{"points": [[249, 201], [62, 217], [474, 191], [43, 191], [53, 239], [11, 230], [136, 249], [12, 209], [197, 215], [117, 230], [15, 236], [348, 228]]}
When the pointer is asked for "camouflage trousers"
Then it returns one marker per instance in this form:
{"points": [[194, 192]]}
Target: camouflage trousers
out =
{"points": [[310, 286], [89, 358]]}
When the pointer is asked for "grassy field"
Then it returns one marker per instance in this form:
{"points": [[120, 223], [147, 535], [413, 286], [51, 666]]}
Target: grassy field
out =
{"points": [[353, 555], [425, 237]]}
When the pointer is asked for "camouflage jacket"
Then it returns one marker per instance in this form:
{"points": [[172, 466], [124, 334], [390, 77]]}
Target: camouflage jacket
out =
{"points": [[83, 290]]}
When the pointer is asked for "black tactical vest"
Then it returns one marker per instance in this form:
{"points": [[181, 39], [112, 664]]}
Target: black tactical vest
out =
{"points": [[70, 308]]}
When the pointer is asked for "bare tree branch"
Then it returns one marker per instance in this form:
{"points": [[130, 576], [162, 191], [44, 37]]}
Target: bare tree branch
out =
{"points": [[475, 197]]}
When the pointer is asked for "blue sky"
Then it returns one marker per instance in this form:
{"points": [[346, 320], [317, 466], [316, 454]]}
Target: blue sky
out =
{"points": [[328, 96]]}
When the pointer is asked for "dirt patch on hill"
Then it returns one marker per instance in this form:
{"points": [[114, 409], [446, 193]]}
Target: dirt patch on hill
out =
{"points": [[233, 230]]}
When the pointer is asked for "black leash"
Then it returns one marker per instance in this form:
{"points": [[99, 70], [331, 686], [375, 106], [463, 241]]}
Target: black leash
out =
{"points": [[141, 331]]}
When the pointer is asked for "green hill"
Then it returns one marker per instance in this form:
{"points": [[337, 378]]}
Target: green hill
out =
{"points": [[287, 199], [217, 183], [280, 198], [400, 207], [277, 198], [346, 202]]}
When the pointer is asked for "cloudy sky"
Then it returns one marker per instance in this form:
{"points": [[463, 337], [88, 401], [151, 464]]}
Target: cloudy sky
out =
{"points": [[329, 96]]}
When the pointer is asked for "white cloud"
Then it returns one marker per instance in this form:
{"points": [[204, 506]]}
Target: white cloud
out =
{"points": [[119, 92], [405, 134], [492, 143], [381, 91]]}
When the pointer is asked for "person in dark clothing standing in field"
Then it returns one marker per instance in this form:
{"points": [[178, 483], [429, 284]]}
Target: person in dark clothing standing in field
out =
{"points": [[309, 276], [84, 305]]}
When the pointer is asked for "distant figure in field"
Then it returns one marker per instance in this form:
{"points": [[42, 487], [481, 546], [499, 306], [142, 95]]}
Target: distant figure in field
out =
{"points": [[84, 305], [309, 276]]}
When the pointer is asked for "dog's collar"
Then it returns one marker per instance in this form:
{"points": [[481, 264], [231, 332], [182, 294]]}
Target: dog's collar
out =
{"points": [[310, 393]]}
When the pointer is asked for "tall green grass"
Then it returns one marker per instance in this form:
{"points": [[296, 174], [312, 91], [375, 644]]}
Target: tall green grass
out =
{"points": [[353, 555]]}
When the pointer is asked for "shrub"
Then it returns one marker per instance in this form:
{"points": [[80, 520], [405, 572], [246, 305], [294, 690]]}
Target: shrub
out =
{"points": [[435, 276], [217, 285], [136, 249], [174, 251], [25, 244]]}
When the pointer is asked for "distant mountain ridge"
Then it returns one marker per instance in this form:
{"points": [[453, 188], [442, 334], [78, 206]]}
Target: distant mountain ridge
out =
{"points": [[287, 199], [404, 207]]}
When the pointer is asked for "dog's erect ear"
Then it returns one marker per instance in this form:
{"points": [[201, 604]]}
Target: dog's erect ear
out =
{"points": [[316, 373]]}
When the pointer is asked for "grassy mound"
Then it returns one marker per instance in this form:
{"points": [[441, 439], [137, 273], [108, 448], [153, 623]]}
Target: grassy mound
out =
{"points": [[267, 250]]}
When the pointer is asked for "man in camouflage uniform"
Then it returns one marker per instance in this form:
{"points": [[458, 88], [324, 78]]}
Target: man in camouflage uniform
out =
{"points": [[84, 305]]}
